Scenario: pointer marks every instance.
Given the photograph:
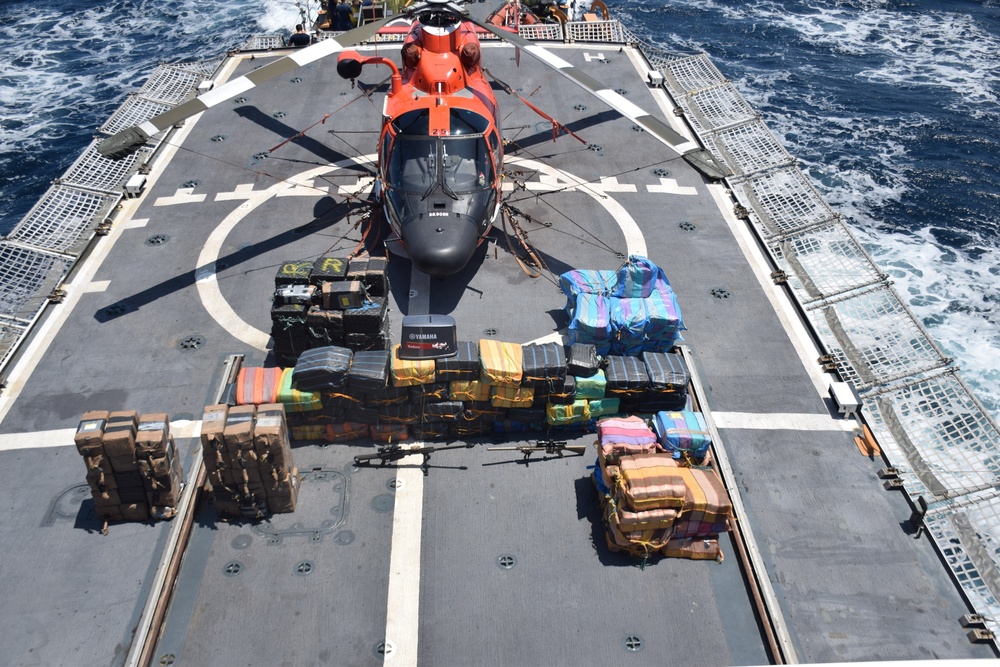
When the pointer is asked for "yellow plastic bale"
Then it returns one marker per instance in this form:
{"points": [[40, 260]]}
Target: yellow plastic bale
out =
{"points": [[501, 362], [574, 413], [468, 390], [512, 397], [410, 372]]}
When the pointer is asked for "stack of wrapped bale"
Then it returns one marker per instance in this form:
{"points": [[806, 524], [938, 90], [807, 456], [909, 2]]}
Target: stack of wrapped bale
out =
{"points": [[292, 299], [652, 502], [320, 380], [627, 380], [159, 465], [622, 312], [332, 301], [501, 371], [130, 484], [463, 373], [248, 459], [422, 401], [668, 379]]}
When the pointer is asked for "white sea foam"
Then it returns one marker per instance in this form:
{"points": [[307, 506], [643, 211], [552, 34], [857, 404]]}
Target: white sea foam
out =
{"points": [[935, 49]]}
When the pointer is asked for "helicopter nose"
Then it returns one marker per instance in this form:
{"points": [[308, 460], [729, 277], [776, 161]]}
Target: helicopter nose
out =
{"points": [[440, 246]]}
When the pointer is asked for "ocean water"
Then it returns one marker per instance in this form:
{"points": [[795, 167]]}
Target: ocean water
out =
{"points": [[893, 108]]}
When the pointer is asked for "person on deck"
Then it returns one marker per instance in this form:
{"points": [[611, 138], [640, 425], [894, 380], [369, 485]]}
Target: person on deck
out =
{"points": [[343, 16], [300, 37]]}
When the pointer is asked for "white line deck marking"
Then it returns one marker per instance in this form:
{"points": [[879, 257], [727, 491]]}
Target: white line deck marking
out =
{"points": [[669, 186], [785, 421], [402, 615], [240, 192], [182, 196], [95, 287], [136, 223], [63, 437]]}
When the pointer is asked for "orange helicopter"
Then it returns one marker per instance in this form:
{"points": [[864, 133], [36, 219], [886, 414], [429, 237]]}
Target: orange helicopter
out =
{"points": [[440, 155], [440, 152]]}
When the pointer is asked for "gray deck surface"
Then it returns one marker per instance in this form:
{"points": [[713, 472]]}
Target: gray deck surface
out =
{"points": [[853, 584]]}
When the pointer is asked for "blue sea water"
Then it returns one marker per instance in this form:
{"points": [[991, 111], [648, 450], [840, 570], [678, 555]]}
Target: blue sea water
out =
{"points": [[892, 107]]}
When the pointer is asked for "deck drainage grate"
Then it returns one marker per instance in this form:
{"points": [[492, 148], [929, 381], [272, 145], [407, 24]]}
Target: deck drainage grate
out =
{"points": [[394, 484], [157, 239], [383, 503], [686, 226], [344, 537], [490, 332], [242, 541], [240, 100], [637, 129], [260, 156], [659, 172], [191, 343], [383, 649], [189, 184], [219, 138], [274, 540], [506, 562], [719, 292], [632, 643], [278, 114], [580, 107], [304, 568], [596, 148], [621, 91], [168, 659], [295, 79], [232, 568]]}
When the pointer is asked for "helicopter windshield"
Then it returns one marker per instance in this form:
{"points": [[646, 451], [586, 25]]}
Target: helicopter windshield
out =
{"points": [[456, 163]]}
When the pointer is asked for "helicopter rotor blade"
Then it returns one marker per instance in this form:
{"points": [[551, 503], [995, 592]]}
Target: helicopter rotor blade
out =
{"points": [[131, 139], [691, 151]]}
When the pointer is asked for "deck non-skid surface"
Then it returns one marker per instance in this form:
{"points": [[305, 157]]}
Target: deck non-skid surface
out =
{"points": [[852, 583]]}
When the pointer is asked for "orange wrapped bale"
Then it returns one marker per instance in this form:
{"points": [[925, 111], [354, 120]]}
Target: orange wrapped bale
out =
{"points": [[410, 372], [652, 481], [502, 363]]}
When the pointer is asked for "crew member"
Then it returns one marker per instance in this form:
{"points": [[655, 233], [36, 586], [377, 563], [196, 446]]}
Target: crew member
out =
{"points": [[300, 37]]}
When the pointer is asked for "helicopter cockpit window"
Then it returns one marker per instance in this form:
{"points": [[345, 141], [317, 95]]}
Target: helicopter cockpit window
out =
{"points": [[458, 164], [413, 166], [468, 122], [466, 163]]}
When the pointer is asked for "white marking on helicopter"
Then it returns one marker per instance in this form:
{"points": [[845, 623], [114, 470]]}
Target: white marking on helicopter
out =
{"points": [[669, 186], [182, 196], [589, 57]]}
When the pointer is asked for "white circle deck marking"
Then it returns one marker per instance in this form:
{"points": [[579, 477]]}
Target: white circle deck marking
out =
{"points": [[218, 307]]}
